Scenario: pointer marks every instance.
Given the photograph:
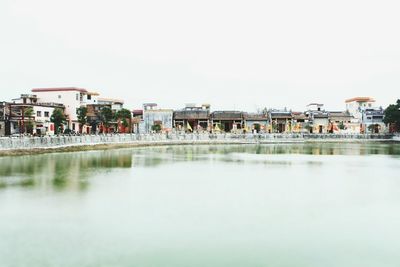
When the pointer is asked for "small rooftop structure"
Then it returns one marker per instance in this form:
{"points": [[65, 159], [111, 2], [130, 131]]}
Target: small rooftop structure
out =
{"points": [[149, 106]]}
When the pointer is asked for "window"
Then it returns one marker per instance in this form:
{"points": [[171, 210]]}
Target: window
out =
{"points": [[73, 126], [46, 114], [89, 97], [77, 97], [38, 114], [59, 96]]}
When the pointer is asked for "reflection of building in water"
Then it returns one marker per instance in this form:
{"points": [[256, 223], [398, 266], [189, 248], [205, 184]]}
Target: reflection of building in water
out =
{"points": [[67, 171]]}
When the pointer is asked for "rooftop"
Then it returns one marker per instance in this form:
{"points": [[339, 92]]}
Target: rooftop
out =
{"points": [[102, 99], [59, 89], [360, 99]]}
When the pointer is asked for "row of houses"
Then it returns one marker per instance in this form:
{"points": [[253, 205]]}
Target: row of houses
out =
{"points": [[363, 119], [359, 116], [31, 113]]}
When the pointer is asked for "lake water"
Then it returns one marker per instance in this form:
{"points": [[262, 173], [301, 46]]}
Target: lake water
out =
{"points": [[296, 205]]}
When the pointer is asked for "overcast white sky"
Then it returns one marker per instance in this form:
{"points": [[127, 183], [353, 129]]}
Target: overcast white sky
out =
{"points": [[231, 54]]}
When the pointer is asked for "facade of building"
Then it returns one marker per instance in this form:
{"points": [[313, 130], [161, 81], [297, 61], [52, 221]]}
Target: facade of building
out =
{"points": [[192, 118], [256, 122], [318, 118], [137, 121], [227, 121], [29, 116], [4, 112], [155, 119], [95, 120], [114, 104], [281, 121], [342, 122], [372, 120], [300, 122], [71, 97], [356, 105]]}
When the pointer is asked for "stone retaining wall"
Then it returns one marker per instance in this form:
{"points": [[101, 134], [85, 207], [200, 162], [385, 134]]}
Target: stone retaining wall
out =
{"points": [[17, 143]]}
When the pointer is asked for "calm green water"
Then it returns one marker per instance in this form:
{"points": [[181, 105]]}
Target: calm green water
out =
{"points": [[273, 205]]}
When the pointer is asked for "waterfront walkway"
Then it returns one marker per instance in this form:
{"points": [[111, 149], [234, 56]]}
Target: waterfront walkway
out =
{"points": [[62, 141]]}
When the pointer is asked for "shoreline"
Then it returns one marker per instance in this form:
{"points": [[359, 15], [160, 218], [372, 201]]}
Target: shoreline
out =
{"points": [[80, 147]]}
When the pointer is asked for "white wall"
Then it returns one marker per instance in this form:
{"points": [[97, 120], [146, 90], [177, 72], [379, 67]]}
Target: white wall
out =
{"points": [[68, 98]]}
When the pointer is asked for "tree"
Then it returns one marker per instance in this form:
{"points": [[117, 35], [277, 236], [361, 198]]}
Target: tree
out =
{"points": [[156, 128], [82, 117], [58, 118], [106, 116], [124, 116], [28, 113], [392, 116]]}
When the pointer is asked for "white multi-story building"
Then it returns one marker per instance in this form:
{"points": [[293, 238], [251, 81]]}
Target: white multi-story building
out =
{"points": [[355, 106], [71, 97]]}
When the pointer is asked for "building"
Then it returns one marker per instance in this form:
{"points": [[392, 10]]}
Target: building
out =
{"points": [[256, 122], [372, 120], [356, 105], [342, 122], [94, 116], [4, 113], [192, 118], [318, 118], [114, 104], [29, 116], [156, 120], [137, 121], [281, 121], [71, 97], [227, 121], [300, 122]]}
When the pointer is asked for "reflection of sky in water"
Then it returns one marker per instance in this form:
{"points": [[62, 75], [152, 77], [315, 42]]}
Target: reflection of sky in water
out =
{"points": [[272, 205]]}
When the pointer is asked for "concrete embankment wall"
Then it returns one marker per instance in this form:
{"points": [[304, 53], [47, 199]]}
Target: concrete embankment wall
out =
{"points": [[21, 143]]}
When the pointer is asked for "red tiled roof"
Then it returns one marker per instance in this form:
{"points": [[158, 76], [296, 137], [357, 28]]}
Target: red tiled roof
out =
{"points": [[59, 89], [360, 99]]}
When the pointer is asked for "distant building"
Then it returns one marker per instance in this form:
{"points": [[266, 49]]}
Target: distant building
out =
{"points": [[4, 113], [114, 104], [281, 121], [342, 122], [356, 105], [192, 118], [227, 121], [372, 120], [154, 118], [300, 122], [71, 97], [318, 117], [28, 115], [137, 121], [94, 115], [256, 122]]}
